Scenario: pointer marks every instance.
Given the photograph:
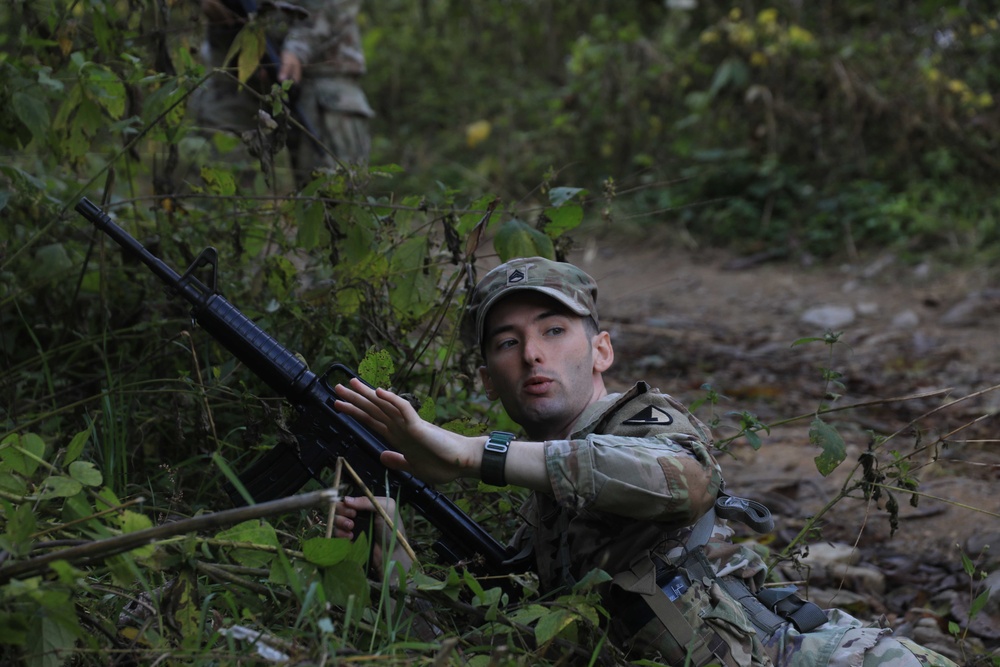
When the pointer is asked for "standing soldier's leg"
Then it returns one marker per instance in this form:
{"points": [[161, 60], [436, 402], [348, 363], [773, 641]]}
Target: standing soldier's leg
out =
{"points": [[338, 113]]}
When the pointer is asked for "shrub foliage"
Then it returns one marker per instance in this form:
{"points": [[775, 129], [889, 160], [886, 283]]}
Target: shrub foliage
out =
{"points": [[789, 126]]}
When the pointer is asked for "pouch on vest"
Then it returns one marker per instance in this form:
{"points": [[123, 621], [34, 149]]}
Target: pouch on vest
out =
{"points": [[805, 616]]}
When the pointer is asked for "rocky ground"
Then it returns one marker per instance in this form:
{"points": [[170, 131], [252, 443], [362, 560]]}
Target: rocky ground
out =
{"points": [[917, 332]]}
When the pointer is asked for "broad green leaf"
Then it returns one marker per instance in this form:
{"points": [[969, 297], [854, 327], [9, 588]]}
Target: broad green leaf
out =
{"points": [[489, 597], [187, 613], [251, 532], [104, 88], [45, 79], [428, 409], [450, 585], [104, 34], [132, 522], [591, 580], [13, 628], [12, 484], [51, 261], [161, 99], [219, 181], [586, 611], [123, 568], [529, 614], [360, 549], [283, 574], [22, 453], [75, 447], [32, 111], [413, 291], [377, 368], [563, 219], [4, 198], [516, 239], [106, 499], [753, 439], [473, 584], [49, 641], [281, 276], [348, 301], [559, 196], [20, 527], [248, 47], [978, 604], [834, 450], [59, 486], [311, 222], [70, 102], [66, 572], [326, 551], [344, 581], [552, 624], [468, 221], [79, 507], [86, 473]]}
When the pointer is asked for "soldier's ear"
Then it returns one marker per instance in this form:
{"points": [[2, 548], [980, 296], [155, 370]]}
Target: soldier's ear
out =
{"points": [[484, 375], [604, 353]]}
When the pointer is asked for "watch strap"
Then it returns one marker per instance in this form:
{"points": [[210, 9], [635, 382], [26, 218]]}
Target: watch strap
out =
{"points": [[495, 458]]}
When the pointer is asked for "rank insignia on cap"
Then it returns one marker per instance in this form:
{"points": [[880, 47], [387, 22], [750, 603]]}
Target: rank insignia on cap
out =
{"points": [[650, 415], [516, 276]]}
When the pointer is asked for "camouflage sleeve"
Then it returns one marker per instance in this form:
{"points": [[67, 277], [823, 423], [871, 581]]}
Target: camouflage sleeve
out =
{"points": [[669, 477], [329, 35]]}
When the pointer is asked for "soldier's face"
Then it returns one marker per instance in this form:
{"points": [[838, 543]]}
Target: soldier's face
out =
{"points": [[543, 363]]}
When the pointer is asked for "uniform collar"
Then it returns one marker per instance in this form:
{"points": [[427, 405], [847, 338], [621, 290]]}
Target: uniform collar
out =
{"points": [[596, 412]]}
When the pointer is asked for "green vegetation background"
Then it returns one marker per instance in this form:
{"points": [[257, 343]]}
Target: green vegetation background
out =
{"points": [[824, 127]]}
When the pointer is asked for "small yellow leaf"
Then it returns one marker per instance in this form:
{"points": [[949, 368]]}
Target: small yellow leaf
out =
{"points": [[476, 133]]}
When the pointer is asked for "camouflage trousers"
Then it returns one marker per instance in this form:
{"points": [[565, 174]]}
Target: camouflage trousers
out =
{"points": [[334, 110], [845, 641], [714, 615]]}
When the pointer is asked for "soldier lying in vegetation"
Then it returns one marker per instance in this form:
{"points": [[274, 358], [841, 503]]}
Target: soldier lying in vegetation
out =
{"points": [[622, 482]]}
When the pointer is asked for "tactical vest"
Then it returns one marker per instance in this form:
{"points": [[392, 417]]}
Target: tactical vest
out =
{"points": [[769, 610]]}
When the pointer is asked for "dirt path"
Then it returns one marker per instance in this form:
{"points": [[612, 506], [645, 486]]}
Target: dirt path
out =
{"points": [[681, 321]]}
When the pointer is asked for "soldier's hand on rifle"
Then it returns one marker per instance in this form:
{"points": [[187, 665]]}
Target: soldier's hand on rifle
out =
{"points": [[291, 67], [355, 512]]}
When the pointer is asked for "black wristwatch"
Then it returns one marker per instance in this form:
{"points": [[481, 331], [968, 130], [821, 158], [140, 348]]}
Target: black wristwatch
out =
{"points": [[495, 458]]}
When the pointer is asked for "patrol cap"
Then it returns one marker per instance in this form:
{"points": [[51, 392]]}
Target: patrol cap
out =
{"points": [[564, 282]]}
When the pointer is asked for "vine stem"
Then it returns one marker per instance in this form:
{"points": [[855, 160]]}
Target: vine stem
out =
{"points": [[120, 543]]}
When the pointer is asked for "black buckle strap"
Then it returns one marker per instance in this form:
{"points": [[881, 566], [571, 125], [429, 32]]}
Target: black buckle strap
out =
{"points": [[752, 513], [804, 615]]}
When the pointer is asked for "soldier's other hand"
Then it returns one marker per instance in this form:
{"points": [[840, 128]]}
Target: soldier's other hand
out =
{"points": [[356, 512], [291, 67]]}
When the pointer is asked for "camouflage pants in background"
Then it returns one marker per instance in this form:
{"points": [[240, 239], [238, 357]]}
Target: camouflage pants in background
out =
{"points": [[334, 108]]}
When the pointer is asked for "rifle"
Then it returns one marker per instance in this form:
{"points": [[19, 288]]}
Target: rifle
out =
{"points": [[324, 434]]}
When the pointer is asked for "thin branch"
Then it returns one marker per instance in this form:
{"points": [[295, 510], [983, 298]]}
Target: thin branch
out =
{"points": [[121, 543]]}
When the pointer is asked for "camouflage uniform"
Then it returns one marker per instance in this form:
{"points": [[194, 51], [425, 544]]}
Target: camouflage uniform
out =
{"points": [[328, 44], [630, 488], [635, 473]]}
